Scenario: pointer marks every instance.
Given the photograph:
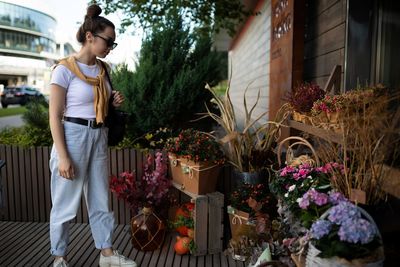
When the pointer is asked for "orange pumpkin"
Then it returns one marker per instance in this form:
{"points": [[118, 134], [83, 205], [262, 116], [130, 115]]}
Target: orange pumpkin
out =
{"points": [[185, 211], [182, 245]]}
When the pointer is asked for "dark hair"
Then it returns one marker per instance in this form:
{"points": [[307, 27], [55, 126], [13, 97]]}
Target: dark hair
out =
{"points": [[93, 23]]}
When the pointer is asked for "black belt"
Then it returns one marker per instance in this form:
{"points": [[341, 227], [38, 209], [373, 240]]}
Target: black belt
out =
{"points": [[91, 123]]}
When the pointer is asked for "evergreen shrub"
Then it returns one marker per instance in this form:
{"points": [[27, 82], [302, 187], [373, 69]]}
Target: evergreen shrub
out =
{"points": [[167, 88]]}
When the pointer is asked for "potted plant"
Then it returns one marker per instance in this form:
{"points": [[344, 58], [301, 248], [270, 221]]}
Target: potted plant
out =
{"points": [[248, 203], [302, 100], [300, 188], [249, 149], [345, 235], [152, 188], [328, 109], [146, 195], [195, 160]]}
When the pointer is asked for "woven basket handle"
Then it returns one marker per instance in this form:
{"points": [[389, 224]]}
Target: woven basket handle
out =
{"points": [[300, 141]]}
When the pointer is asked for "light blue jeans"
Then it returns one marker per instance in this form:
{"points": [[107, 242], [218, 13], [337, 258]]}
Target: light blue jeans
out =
{"points": [[87, 149]]}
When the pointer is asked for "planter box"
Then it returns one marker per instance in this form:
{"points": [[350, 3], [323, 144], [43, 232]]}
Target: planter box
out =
{"points": [[198, 178], [236, 219]]}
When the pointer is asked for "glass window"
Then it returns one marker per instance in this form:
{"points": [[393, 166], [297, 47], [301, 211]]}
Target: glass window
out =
{"points": [[25, 18], [373, 41], [388, 53]]}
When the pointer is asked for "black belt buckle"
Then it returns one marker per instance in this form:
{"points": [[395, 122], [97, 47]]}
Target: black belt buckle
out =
{"points": [[95, 125]]}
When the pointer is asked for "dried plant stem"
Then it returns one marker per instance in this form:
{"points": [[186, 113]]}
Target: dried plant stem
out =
{"points": [[366, 137], [240, 144]]}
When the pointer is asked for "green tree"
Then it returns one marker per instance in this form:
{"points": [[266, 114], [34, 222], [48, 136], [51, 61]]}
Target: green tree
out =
{"points": [[214, 14], [167, 88]]}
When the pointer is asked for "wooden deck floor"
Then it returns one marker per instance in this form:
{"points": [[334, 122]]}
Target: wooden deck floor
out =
{"points": [[27, 244]]}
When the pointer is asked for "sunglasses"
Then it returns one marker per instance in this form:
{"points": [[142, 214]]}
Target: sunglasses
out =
{"points": [[110, 42]]}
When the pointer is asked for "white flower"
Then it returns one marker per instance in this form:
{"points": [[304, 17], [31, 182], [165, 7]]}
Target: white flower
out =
{"points": [[291, 188], [299, 200], [309, 177], [287, 195]]}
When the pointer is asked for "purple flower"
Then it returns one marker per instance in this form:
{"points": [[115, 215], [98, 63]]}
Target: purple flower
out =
{"points": [[319, 198], [342, 212], [313, 196], [336, 197], [320, 229], [357, 231], [304, 202]]}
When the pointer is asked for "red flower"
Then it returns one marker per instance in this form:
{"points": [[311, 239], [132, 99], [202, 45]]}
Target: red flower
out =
{"points": [[152, 187]]}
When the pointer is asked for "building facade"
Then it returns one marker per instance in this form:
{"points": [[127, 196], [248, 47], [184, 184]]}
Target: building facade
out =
{"points": [[291, 41], [28, 46]]}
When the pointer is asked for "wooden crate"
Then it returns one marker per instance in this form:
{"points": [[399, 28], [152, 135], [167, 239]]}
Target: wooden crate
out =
{"points": [[208, 221]]}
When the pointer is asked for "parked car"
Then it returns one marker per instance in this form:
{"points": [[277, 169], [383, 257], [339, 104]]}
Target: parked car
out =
{"points": [[19, 95]]}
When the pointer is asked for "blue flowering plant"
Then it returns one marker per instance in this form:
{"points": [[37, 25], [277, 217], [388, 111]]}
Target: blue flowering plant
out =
{"points": [[345, 232]]}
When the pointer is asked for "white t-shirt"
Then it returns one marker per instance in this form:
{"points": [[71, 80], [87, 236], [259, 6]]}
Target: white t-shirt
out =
{"points": [[79, 98]]}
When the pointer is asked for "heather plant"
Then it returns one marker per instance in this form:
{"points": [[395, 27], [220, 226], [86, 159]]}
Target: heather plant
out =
{"points": [[304, 95], [328, 104]]}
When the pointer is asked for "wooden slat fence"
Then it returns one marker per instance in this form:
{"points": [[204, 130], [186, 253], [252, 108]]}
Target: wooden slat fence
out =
{"points": [[26, 183]]}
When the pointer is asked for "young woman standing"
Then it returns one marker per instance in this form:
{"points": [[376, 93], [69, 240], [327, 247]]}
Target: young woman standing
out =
{"points": [[79, 97]]}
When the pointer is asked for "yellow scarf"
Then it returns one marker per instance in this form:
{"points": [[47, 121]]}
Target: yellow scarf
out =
{"points": [[100, 91]]}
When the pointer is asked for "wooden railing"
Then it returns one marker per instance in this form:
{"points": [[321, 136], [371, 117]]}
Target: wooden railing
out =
{"points": [[26, 183]]}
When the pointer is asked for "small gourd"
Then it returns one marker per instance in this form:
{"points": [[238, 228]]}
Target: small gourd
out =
{"points": [[182, 245]]}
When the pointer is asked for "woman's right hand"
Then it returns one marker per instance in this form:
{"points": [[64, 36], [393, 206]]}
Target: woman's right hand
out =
{"points": [[66, 168]]}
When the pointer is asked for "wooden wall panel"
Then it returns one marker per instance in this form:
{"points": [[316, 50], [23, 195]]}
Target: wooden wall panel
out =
{"points": [[325, 33], [26, 184]]}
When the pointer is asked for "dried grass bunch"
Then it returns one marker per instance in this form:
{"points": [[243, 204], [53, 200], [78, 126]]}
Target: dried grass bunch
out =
{"points": [[250, 149], [369, 131]]}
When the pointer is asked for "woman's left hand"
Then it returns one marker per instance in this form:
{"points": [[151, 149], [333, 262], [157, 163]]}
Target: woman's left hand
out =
{"points": [[118, 99]]}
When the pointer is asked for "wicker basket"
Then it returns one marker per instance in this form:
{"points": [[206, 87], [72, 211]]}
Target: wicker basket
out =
{"points": [[301, 117], [312, 260], [290, 158]]}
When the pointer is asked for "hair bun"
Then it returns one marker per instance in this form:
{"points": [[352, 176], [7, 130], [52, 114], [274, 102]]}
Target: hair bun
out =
{"points": [[93, 11]]}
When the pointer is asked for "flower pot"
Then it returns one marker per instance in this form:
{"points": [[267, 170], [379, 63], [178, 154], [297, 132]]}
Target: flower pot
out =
{"points": [[240, 178], [195, 177]]}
